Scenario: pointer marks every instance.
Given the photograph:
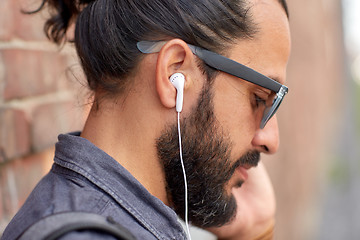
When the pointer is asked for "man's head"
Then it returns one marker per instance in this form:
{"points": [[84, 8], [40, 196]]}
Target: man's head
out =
{"points": [[222, 113], [107, 31], [221, 135]]}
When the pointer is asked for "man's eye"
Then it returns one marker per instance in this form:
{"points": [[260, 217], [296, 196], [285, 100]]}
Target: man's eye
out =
{"points": [[259, 101]]}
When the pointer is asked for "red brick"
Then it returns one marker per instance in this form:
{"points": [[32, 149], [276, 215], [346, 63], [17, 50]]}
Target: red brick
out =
{"points": [[31, 72], [49, 120], [15, 24], [6, 17], [14, 133]]}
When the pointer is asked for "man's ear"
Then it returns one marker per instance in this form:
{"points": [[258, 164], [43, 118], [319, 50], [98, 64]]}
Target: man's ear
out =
{"points": [[174, 57]]}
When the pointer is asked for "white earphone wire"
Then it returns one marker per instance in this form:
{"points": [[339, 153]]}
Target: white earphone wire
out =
{"points": [[185, 181]]}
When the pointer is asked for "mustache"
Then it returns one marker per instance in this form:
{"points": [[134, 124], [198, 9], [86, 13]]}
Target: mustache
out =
{"points": [[251, 158]]}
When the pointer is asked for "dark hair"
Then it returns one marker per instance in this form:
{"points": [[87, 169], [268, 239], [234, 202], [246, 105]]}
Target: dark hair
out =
{"points": [[107, 31]]}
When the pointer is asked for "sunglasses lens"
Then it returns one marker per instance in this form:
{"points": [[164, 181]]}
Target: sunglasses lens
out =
{"points": [[270, 111]]}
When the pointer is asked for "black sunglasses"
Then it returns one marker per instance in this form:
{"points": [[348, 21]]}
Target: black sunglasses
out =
{"points": [[229, 66]]}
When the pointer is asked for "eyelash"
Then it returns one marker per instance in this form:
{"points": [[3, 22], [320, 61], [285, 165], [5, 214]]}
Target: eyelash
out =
{"points": [[259, 101]]}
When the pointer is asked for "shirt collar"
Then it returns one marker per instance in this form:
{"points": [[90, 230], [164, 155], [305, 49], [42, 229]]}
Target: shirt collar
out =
{"points": [[83, 157]]}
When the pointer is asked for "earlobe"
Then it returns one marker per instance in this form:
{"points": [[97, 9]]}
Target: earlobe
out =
{"points": [[174, 57]]}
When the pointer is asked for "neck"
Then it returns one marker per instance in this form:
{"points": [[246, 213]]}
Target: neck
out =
{"points": [[129, 136]]}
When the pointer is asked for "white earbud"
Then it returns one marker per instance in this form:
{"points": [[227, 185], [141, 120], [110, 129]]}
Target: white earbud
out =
{"points": [[178, 80]]}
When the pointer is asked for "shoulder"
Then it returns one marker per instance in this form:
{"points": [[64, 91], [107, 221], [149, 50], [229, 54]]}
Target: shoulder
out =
{"points": [[58, 191]]}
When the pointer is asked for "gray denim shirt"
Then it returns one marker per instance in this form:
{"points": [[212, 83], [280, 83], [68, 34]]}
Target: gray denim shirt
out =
{"points": [[85, 178]]}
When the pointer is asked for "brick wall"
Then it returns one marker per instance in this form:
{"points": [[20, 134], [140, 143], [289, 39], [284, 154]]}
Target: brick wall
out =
{"points": [[39, 98]]}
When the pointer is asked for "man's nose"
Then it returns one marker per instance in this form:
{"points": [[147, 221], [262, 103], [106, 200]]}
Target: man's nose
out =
{"points": [[266, 140]]}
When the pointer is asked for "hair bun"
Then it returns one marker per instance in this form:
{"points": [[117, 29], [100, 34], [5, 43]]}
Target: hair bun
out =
{"points": [[62, 14]]}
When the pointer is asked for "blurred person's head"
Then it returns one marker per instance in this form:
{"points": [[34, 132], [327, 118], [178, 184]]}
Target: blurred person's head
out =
{"points": [[222, 114]]}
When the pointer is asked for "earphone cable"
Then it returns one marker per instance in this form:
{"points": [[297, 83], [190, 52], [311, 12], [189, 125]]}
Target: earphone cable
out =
{"points": [[185, 181]]}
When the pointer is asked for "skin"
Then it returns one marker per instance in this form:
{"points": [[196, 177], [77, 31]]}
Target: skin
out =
{"points": [[126, 127]]}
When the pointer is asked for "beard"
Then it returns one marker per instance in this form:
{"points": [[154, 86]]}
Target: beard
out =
{"points": [[206, 156]]}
